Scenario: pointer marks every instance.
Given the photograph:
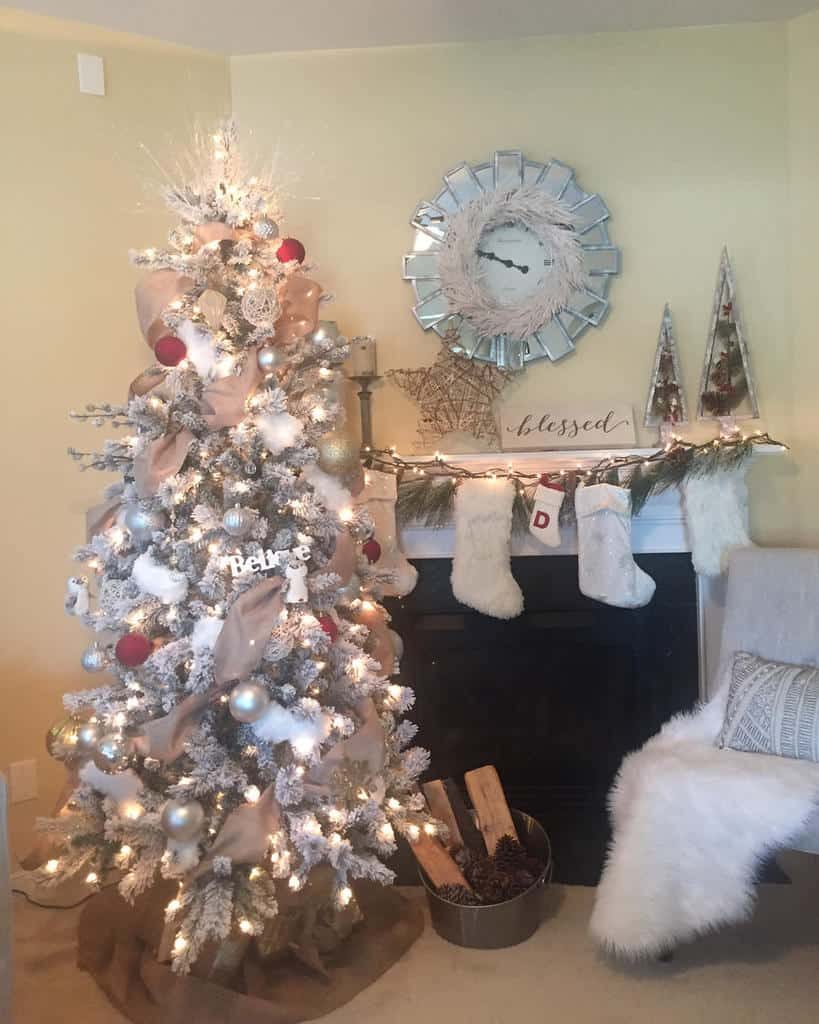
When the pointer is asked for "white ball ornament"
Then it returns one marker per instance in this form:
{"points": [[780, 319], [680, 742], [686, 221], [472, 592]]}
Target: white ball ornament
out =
{"points": [[182, 820], [238, 521], [248, 702], [94, 659], [260, 306], [114, 753]]}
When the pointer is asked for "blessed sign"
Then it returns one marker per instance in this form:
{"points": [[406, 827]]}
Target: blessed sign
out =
{"points": [[529, 424]]}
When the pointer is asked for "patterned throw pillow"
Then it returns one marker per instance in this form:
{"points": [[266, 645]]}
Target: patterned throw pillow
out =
{"points": [[772, 708]]}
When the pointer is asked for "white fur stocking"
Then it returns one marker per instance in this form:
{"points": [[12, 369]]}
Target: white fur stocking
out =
{"points": [[481, 577], [716, 514], [379, 496]]}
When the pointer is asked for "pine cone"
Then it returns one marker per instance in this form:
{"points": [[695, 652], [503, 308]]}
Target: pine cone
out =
{"points": [[458, 894], [479, 872], [509, 854]]}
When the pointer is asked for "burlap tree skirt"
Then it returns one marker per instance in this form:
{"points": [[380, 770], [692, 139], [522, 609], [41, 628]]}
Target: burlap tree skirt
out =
{"points": [[118, 943]]}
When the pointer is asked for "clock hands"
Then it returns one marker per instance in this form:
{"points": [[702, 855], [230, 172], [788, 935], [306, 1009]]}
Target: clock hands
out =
{"points": [[506, 263]]}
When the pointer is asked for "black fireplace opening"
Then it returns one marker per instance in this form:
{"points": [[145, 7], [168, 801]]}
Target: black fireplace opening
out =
{"points": [[554, 698]]}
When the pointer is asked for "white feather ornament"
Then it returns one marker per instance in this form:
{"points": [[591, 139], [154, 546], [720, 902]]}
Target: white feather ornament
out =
{"points": [[329, 490], [205, 633], [201, 349], [120, 786], [278, 724], [158, 580], [180, 857], [279, 430]]}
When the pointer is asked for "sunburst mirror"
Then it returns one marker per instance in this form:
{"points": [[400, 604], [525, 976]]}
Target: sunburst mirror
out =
{"points": [[512, 260]]}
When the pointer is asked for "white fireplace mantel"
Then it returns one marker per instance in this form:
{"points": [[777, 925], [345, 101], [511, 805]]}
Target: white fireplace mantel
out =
{"points": [[659, 528]]}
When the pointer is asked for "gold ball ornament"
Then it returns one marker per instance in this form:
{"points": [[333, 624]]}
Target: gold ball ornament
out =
{"points": [[339, 455], [61, 738]]}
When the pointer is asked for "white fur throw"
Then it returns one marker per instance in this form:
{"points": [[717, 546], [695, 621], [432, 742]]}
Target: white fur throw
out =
{"points": [[691, 824]]}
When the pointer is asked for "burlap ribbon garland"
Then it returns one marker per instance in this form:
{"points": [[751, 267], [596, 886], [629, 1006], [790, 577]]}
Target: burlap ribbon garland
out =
{"points": [[223, 400], [245, 835], [300, 308], [343, 560], [379, 643], [368, 745], [154, 293], [164, 738], [159, 460], [101, 517], [248, 625]]}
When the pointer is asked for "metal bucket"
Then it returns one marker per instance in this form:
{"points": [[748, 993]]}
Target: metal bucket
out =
{"points": [[499, 924]]}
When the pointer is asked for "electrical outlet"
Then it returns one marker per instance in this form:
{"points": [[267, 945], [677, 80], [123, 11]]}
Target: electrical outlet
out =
{"points": [[22, 781]]}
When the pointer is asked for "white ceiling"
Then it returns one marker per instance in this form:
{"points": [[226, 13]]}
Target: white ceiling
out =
{"points": [[263, 26]]}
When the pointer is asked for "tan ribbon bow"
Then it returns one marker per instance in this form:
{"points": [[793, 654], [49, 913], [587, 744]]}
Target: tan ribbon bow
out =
{"points": [[101, 517], [223, 400], [343, 560], [245, 834], [248, 625], [159, 460], [299, 299], [367, 744], [164, 738], [379, 643], [154, 293]]}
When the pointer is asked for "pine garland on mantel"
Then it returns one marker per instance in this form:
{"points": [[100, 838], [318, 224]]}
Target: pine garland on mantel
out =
{"points": [[426, 487]]}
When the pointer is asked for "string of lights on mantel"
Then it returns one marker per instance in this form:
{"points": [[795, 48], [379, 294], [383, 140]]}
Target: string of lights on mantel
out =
{"points": [[427, 484]]}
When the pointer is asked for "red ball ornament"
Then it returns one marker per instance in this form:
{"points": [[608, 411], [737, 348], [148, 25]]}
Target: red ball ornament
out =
{"points": [[133, 649], [291, 249], [372, 549], [328, 624], [170, 350]]}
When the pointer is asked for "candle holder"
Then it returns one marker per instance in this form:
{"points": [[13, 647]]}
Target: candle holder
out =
{"points": [[364, 381]]}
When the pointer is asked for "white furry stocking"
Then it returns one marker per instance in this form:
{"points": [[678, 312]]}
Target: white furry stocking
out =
{"points": [[379, 496], [607, 570], [481, 577], [716, 514]]}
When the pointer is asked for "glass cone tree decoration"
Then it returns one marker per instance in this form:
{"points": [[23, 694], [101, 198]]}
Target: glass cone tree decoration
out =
{"points": [[727, 386], [666, 406], [247, 731]]}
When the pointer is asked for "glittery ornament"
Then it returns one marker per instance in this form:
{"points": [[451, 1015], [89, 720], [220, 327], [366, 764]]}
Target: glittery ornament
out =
{"points": [[454, 394], [269, 358], [170, 350], [61, 738], [248, 701], [114, 753], [141, 522], [329, 625], [290, 249], [371, 549], [182, 820], [265, 228], [338, 454], [260, 307], [238, 521], [93, 659], [212, 304], [351, 590], [133, 649]]}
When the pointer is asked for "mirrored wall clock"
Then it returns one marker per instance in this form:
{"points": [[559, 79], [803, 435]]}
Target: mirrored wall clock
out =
{"points": [[512, 260]]}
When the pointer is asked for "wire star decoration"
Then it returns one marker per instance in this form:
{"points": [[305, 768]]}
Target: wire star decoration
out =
{"points": [[454, 394]]}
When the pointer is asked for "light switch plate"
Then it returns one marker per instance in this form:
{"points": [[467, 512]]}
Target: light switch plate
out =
{"points": [[91, 71], [22, 781]]}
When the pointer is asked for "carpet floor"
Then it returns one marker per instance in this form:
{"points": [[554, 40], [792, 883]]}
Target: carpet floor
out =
{"points": [[762, 972]]}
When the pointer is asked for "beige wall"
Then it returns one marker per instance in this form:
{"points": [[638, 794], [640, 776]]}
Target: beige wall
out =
{"points": [[72, 201], [684, 133], [802, 370]]}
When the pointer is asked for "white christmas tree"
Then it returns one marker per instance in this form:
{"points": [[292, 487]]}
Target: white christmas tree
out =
{"points": [[249, 731]]}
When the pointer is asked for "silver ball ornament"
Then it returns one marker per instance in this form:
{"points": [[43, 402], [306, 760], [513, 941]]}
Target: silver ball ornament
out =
{"points": [[351, 589], [88, 736], [248, 702], [114, 753], [265, 228], [142, 523], [238, 521], [327, 330], [269, 358], [93, 659], [182, 821]]}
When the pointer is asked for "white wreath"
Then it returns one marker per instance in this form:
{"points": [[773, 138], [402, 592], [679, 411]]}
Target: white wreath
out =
{"points": [[461, 274]]}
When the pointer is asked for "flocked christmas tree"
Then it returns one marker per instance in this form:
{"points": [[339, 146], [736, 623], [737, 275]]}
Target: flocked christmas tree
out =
{"points": [[247, 733]]}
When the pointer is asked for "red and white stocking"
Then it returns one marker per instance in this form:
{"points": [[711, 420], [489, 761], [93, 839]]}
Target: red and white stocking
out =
{"points": [[544, 521], [379, 496]]}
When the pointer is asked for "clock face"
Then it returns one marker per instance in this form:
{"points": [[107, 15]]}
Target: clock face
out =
{"points": [[513, 261]]}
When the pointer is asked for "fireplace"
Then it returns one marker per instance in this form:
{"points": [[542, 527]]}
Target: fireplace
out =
{"points": [[554, 698]]}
